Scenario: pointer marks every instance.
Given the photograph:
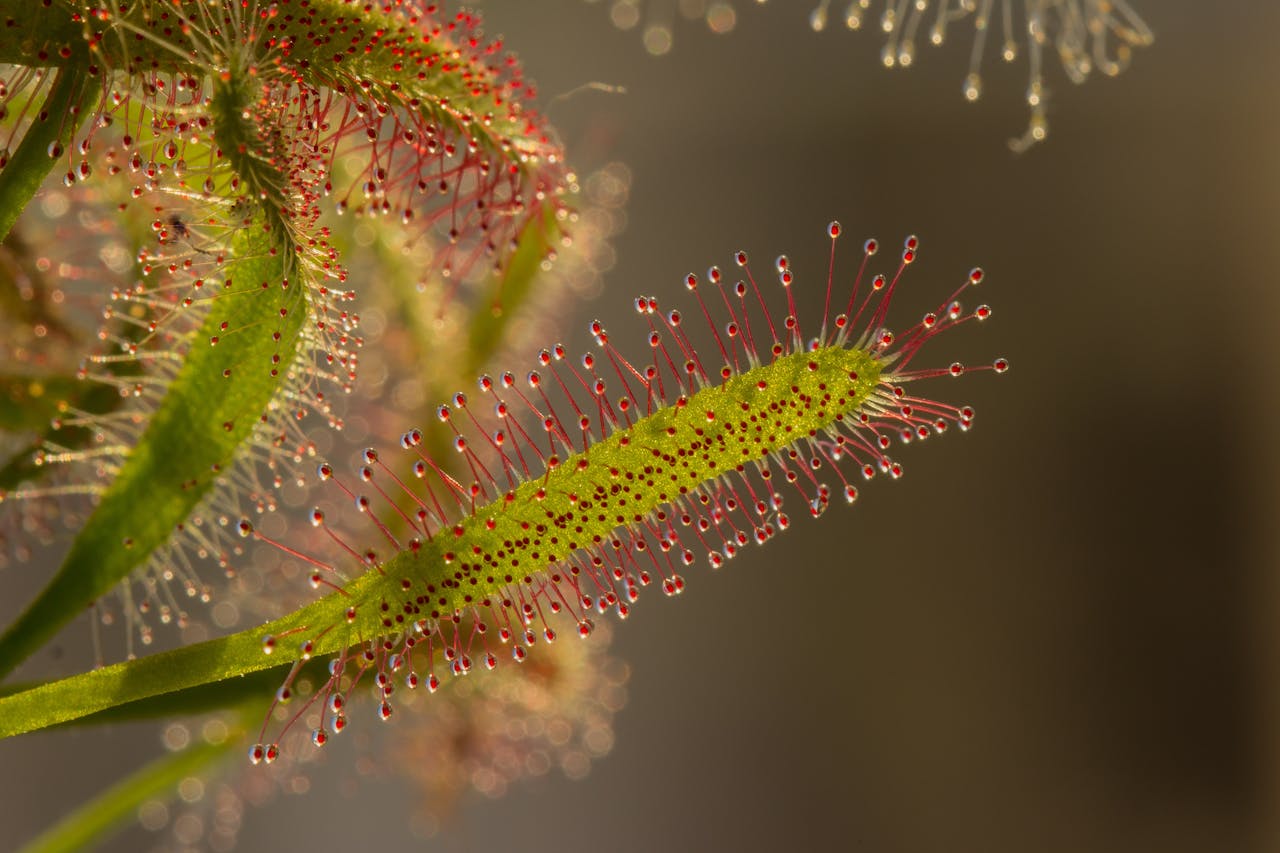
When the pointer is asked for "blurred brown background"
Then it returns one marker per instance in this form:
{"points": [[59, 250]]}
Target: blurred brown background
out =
{"points": [[1057, 632]]}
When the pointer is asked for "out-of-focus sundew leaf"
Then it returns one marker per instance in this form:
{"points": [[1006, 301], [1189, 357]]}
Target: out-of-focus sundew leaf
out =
{"points": [[506, 292], [29, 404], [158, 780]]}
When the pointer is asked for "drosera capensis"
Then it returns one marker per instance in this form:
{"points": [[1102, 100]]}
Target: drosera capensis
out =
{"points": [[226, 309], [592, 480], [232, 127], [402, 109]]}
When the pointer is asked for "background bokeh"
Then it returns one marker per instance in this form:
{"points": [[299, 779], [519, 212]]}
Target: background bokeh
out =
{"points": [[1057, 632]]}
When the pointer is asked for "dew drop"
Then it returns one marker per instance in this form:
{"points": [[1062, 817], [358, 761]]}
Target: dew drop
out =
{"points": [[972, 87]]}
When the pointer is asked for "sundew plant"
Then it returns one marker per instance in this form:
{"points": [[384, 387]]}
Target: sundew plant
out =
{"points": [[199, 200]]}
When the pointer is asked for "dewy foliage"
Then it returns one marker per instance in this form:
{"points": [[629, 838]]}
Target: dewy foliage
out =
{"points": [[283, 89], [703, 435], [190, 439], [431, 122]]}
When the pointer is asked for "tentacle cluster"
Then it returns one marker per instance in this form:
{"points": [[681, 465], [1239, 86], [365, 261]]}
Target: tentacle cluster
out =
{"points": [[587, 481], [223, 126], [398, 109]]}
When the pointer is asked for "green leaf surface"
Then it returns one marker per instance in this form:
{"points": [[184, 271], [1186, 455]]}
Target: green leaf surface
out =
{"points": [[212, 407], [247, 690], [70, 99], [168, 672], [433, 579]]}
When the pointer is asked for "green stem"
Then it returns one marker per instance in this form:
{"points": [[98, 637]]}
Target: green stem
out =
{"points": [[69, 101], [247, 690], [191, 666], [91, 822]]}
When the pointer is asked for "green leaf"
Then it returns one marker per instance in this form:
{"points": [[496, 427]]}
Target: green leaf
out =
{"points": [[71, 98], [204, 663], [212, 407], [428, 579], [247, 690], [91, 822]]}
